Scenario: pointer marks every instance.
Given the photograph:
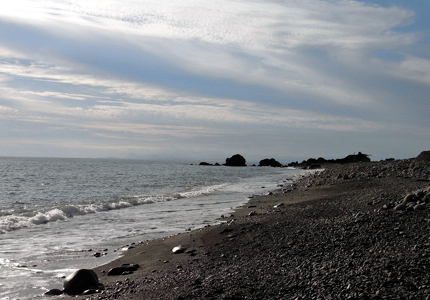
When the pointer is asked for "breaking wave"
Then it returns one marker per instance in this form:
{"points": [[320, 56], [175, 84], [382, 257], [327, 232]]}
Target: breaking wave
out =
{"points": [[13, 222]]}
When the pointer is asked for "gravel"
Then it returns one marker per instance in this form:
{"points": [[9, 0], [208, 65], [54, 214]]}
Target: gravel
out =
{"points": [[348, 242]]}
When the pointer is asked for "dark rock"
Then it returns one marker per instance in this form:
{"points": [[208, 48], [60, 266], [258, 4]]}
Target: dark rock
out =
{"points": [[420, 206], [123, 270], [53, 292], [179, 249], [90, 292], [126, 248], [353, 158], [226, 230], [410, 198], [236, 160], [425, 156], [269, 163], [203, 163], [80, 281]]}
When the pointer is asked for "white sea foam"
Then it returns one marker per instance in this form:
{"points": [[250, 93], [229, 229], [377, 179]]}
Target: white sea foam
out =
{"points": [[49, 216], [202, 191], [61, 213]]}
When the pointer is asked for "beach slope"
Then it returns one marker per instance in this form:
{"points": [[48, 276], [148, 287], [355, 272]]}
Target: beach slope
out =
{"points": [[337, 234]]}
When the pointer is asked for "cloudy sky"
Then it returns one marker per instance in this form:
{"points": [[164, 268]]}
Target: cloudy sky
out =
{"points": [[206, 79]]}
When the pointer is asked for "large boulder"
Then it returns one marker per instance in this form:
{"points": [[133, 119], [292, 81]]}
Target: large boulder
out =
{"points": [[269, 163], [80, 281], [236, 160]]}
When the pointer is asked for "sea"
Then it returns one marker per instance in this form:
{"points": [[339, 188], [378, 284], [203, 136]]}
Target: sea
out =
{"points": [[56, 213]]}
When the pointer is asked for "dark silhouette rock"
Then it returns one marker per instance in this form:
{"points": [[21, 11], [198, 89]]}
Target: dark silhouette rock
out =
{"points": [[236, 160], [269, 163], [80, 281], [425, 155], [203, 163], [353, 158]]}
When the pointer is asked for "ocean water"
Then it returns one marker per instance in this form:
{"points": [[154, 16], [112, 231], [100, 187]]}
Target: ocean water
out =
{"points": [[56, 213]]}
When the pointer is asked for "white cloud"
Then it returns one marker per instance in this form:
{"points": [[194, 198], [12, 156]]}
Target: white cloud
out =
{"points": [[414, 69], [117, 100], [312, 52], [247, 41]]}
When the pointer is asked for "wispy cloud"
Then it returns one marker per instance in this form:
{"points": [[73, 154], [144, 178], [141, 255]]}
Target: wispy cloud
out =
{"points": [[194, 69]]}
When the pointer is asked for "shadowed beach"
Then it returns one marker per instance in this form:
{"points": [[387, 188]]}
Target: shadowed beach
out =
{"points": [[356, 231]]}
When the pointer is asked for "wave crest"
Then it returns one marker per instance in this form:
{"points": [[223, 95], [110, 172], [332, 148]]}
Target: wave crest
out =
{"points": [[61, 213]]}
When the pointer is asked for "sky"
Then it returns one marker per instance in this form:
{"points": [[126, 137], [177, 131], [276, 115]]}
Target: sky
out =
{"points": [[206, 79]]}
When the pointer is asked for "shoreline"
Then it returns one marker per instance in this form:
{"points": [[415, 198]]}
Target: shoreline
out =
{"points": [[155, 255], [318, 239]]}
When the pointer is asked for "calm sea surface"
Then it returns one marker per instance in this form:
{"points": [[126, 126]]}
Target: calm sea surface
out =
{"points": [[53, 211]]}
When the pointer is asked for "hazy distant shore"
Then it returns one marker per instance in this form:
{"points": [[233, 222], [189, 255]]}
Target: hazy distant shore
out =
{"points": [[332, 235]]}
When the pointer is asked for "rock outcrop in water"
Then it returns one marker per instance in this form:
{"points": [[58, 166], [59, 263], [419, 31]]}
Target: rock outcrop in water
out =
{"points": [[269, 163], [236, 160]]}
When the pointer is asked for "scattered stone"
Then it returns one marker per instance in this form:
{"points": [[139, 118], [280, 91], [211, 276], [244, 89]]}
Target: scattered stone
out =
{"points": [[401, 206], [90, 292], [124, 269], [179, 249], [126, 248], [336, 247], [420, 206], [415, 201], [53, 292]]}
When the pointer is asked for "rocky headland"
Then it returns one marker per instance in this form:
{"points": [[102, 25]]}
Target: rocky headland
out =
{"points": [[353, 231]]}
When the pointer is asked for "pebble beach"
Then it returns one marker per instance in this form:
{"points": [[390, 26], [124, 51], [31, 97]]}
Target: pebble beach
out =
{"points": [[355, 231]]}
